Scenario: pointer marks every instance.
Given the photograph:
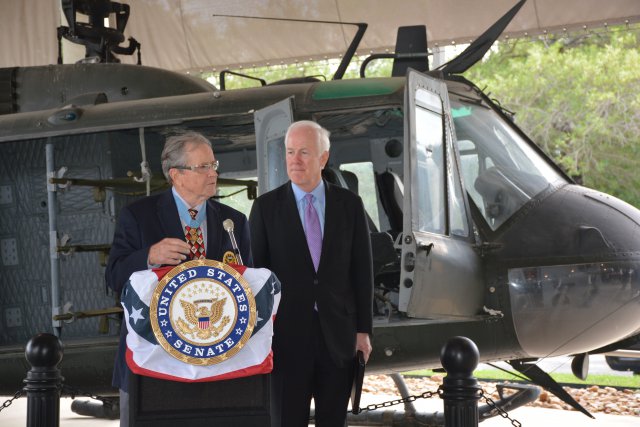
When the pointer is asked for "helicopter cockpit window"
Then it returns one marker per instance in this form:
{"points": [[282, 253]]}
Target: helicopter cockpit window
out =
{"points": [[458, 218], [236, 196], [430, 180], [500, 170], [360, 179]]}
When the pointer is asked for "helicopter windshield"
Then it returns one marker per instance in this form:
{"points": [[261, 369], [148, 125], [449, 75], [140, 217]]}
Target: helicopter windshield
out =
{"points": [[501, 171]]}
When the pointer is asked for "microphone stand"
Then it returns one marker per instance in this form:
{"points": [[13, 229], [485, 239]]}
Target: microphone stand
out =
{"points": [[228, 225]]}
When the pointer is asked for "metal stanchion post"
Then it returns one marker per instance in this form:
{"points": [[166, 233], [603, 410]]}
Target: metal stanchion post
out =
{"points": [[460, 390], [43, 382]]}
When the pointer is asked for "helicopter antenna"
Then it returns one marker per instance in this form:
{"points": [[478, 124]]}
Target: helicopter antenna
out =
{"points": [[348, 55]]}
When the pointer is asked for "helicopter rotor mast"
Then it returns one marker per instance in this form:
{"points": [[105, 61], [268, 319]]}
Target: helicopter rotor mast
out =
{"points": [[101, 43]]}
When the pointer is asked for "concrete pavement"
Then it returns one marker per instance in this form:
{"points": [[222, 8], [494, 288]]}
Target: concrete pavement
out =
{"points": [[15, 415]]}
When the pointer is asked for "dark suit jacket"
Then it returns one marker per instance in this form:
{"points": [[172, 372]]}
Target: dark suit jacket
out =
{"points": [[343, 284], [146, 222]]}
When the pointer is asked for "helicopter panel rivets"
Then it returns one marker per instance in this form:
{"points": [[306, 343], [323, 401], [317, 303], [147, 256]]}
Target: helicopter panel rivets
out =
{"points": [[492, 289], [408, 283], [409, 262]]}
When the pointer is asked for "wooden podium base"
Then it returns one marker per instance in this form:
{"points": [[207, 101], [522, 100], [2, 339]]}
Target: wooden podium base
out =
{"points": [[241, 402]]}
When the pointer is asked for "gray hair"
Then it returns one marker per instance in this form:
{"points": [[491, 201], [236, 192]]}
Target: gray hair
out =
{"points": [[174, 151], [323, 134]]}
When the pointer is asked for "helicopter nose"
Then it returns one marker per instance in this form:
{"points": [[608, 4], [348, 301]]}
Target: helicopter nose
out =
{"points": [[573, 272]]}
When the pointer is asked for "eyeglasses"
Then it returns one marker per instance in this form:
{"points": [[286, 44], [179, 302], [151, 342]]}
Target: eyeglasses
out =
{"points": [[203, 168]]}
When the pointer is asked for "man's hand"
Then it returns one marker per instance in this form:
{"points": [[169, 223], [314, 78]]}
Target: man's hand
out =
{"points": [[168, 251], [363, 344]]}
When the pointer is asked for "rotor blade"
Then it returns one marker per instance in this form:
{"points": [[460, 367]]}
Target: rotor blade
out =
{"points": [[481, 45]]}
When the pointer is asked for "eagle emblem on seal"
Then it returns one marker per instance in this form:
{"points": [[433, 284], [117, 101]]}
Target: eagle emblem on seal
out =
{"points": [[202, 312], [203, 318]]}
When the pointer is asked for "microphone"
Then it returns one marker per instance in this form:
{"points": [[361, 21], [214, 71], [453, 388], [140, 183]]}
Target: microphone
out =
{"points": [[228, 226]]}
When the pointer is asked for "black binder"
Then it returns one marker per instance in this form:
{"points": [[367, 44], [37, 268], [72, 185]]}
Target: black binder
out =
{"points": [[358, 378]]}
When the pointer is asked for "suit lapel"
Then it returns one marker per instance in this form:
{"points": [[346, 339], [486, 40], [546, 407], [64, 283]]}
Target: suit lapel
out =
{"points": [[288, 212], [332, 210], [167, 212], [214, 231]]}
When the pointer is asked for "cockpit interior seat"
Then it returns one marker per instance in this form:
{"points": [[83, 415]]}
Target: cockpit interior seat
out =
{"points": [[386, 261], [348, 180], [351, 179], [384, 253], [503, 193], [490, 186], [334, 176], [391, 190]]}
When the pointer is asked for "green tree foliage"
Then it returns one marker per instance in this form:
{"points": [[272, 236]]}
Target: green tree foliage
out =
{"points": [[578, 99]]}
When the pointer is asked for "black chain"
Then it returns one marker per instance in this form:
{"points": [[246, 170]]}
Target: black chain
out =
{"points": [[8, 403], [73, 392], [429, 394], [374, 406], [499, 410]]}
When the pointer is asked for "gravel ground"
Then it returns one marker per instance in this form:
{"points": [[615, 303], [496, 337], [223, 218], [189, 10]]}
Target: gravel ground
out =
{"points": [[595, 399]]}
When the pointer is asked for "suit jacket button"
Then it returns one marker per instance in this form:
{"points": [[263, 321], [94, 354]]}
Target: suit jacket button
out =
{"points": [[315, 281]]}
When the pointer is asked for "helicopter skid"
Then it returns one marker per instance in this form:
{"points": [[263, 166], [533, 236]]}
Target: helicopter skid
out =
{"points": [[522, 394]]}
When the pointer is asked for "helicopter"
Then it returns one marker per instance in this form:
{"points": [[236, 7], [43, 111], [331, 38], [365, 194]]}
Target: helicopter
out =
{"points": [[475, 231]]}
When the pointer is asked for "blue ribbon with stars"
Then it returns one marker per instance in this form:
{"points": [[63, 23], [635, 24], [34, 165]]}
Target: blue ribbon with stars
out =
{"points": [[185, 216]]}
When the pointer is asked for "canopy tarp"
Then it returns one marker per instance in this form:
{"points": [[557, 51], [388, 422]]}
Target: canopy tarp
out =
{"points": [[189, 35]]}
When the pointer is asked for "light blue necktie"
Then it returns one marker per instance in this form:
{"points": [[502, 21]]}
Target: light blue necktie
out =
{"points": [[313, 231]]}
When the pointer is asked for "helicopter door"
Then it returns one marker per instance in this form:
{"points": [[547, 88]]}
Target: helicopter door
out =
{"points": [[441, 273], [271, 124]]}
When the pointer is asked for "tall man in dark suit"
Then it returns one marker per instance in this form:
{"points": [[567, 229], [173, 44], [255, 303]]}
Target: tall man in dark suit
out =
{"points": [[155, 231], [314, 237]]}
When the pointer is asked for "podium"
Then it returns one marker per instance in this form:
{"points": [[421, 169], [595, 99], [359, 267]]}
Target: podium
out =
{"points": [[241, 402], [216, 319]]}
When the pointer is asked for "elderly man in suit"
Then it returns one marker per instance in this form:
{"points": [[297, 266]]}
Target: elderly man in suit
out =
{"points": [[171, 227], [314, 237]]}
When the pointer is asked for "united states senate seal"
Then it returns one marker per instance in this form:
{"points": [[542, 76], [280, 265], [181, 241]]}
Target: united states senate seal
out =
{"points": [[202, 312]]}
